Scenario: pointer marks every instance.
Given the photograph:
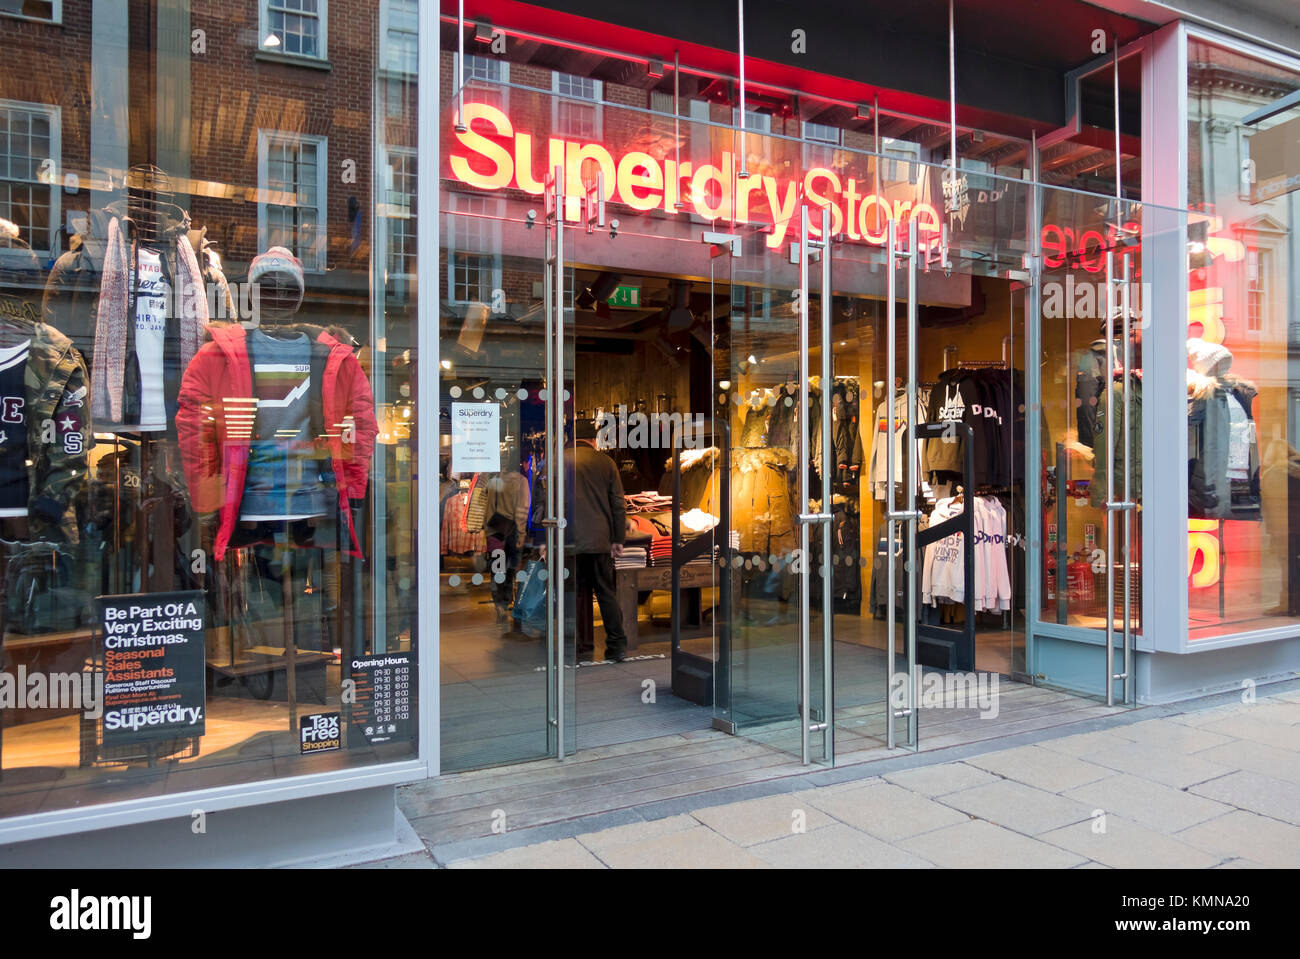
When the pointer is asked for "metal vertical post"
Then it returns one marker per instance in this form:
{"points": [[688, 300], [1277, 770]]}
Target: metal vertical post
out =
{"points": [[744, 152], [1109, 603], [677, 125], [1127, 687], [891, 484], [805, 572], [554, 522], [557, 428], [1118, 179], [828, 612], [460, 68], [952, 89], [909, 629]]}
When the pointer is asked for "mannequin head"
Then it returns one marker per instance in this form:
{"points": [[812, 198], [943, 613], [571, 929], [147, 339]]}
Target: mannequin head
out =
{"points": [[278, 286]]}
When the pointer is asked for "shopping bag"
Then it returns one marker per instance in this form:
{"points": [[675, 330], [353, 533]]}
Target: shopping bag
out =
{"points": [[530, 605]]}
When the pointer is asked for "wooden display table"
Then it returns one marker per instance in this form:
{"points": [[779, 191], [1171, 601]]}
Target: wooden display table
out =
{"points": [[631, 582]]}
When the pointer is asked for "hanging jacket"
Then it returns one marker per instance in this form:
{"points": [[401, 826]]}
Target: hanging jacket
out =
{"points": [[1246, 499], [215, 451], [762, 504], [1097, 489], [115, 315], [846, 437], [1209, 425], [815, 429], [1089, 381], [880, 450], [783, 423], [56, 386], [753, 430]]}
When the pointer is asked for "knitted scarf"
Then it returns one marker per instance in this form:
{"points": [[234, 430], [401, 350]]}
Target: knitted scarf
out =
{"points": [[111, 324]]}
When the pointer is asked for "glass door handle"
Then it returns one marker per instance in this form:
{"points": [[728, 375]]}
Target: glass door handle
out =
{"points": [[903, 515], [815, 517], [551, 523]]}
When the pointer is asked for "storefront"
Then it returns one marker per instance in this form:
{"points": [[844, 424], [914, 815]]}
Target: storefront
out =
{"points": [[755, 411]]}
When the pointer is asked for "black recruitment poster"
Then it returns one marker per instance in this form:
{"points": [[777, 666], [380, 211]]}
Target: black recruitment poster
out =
{"points": [[384, 685], [153, 666]]}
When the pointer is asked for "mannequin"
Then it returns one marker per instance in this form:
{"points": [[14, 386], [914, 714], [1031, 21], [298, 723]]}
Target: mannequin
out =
{"points": [[277, 427]]}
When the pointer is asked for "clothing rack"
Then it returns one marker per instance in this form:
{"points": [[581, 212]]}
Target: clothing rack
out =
{"points": [[949, 647]]}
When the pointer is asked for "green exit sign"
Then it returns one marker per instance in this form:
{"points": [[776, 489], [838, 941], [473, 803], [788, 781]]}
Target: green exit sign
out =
{"points": [[628, 297]]}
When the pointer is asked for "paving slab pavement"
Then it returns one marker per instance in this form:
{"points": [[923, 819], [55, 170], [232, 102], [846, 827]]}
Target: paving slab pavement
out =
{"points": [[1196, 788]]}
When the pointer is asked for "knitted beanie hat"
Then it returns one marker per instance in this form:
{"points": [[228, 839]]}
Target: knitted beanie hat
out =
{"points": [[277, 260]]}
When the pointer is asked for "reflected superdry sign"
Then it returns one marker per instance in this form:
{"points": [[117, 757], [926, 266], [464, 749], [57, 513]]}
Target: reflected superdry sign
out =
{"points": [[492, 154]]}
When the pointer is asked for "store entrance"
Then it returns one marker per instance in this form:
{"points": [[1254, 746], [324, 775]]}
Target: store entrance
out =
{"points": [[689, 373]]}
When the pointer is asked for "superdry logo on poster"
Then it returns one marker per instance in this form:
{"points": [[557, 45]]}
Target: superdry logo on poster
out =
{"points": [[153, 666]]}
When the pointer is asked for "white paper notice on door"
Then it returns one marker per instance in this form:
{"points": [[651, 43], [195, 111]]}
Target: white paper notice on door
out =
{"points": [[475, 438]]}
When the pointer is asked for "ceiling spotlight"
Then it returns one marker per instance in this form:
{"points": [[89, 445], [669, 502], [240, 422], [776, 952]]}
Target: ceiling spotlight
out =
{"points": [[655, 68], [483, 31], [863, 112]]}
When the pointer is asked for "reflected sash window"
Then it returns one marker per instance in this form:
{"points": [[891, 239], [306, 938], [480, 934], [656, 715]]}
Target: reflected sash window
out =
{"points": [[29, 160], [291, 180], [294, 27]]}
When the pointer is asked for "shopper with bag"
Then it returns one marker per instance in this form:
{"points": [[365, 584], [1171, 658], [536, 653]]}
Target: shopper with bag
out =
{"points": [[595, 534], [506, 511]]}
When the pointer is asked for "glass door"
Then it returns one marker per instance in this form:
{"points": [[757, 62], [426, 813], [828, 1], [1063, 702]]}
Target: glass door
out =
{"points": [[504, 368], [1089, 300], [774, 380]]}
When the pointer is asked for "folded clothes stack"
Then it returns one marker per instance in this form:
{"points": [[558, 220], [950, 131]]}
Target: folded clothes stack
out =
{"points": [[649, 502], [661, 551], [634, 557]]}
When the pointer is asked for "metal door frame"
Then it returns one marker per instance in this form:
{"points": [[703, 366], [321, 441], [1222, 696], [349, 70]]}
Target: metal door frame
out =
{"points": [[909, 515], [1124, 506], [815, 250]]}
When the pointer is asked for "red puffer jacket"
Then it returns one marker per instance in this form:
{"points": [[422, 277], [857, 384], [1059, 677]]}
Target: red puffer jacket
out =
{"points": [[215, 452]]}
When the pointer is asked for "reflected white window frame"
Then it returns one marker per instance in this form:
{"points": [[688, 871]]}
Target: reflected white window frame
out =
{"points": [[473, 229], [321, 16], [483, 71], [595, 99], [55, 17], [317, 261], [898, 152], [820, 138], [386, 32], [54, 115], [400, 214], [978, 172], [755, 120]]}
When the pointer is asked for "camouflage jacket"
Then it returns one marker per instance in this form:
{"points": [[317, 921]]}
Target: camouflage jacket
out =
{"points": [[58, 433]]}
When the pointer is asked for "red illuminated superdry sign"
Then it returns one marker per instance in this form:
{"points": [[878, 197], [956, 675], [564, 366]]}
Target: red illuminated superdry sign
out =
{"points": [[493, 155]]}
